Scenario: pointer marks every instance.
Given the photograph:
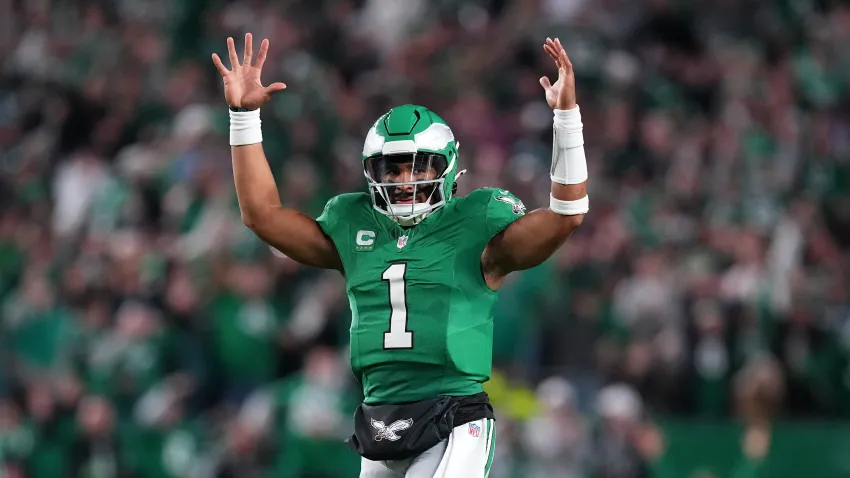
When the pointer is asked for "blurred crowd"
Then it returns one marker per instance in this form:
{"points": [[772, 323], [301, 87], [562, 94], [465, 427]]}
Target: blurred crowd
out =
{"points": [[144, 331]]}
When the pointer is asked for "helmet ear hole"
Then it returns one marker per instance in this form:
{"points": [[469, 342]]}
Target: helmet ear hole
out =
{"points": [[454, 189]]}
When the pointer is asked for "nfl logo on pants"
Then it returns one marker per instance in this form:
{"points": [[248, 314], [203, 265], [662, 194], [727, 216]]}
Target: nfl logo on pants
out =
{"points": [[474, 430]]}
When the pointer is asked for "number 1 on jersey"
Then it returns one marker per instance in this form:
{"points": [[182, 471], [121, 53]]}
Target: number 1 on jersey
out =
{"points": [[397, 337]]}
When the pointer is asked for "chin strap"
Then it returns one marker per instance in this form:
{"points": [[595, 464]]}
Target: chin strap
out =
{"points": [[454, 184]]}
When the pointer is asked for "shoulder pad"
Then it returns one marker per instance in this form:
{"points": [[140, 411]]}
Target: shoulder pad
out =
{"points": [[346, 200]]}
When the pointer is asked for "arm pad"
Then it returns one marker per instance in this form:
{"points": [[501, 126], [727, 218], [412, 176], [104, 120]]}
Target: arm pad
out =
{"points": [[569, 165]]}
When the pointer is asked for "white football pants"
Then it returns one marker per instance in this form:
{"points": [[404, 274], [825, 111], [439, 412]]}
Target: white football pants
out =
{"points": [[467, 453]]}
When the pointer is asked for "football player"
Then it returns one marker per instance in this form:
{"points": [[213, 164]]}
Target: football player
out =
{"points": [[422, 266]]}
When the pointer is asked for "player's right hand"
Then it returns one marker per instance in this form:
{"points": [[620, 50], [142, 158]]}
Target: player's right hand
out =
{"points": [[242, 86]]}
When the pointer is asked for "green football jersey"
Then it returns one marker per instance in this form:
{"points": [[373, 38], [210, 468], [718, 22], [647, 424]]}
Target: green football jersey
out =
{"points": [[421, 312]]}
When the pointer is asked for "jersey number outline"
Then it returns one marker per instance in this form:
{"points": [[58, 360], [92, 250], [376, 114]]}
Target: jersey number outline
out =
{"points": [[397, 336]]}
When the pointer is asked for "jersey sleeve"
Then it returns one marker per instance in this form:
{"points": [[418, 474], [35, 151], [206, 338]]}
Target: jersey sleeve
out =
{"points": [[338, 219], [502, 209], [327, 220]]}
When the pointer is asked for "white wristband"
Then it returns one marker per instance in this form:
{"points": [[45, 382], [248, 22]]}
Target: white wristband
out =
{"points": [[569, 164], [569, 208], [245, 127]]}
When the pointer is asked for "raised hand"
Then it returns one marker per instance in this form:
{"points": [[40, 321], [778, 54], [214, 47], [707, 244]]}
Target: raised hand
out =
{"points": [[561, 95], [242, 86]]}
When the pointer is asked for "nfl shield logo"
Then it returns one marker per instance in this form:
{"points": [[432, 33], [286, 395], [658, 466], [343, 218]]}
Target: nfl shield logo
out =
{"points": [[474, 430], [402, 241]]}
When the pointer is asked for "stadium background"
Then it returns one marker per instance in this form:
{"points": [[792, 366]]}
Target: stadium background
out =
{"points": [[696, 326]]}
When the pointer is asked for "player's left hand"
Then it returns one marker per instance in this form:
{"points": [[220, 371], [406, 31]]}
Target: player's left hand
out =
{"points": [[561, 95]]}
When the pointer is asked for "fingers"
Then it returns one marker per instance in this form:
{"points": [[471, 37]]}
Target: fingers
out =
{"points": [[558, 54], [562, 54], [544, 82], [249, 50], [231, 51], [552, 51], [565, 62], [219, 65], [553, 47], [261, 55], [274, 88]]}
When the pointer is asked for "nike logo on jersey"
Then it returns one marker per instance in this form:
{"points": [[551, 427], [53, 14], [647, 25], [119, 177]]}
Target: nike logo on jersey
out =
{"points": [[389, 432]]}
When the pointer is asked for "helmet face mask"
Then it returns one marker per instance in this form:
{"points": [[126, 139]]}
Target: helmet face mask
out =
{"points": [[405, 186], [409, 160]]}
